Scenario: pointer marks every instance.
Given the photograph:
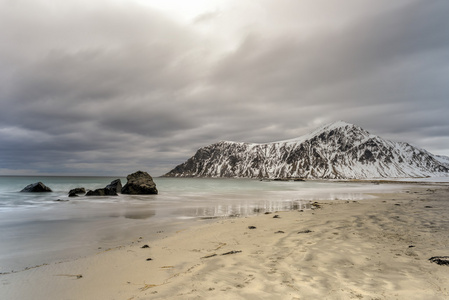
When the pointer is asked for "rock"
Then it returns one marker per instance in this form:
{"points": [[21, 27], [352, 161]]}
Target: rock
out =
{"points": [[110, 190], [101, 192], [74, 192], [115, 185], [232, 252], [440, 260], [139, 183], [305, 231], [37, 187]]}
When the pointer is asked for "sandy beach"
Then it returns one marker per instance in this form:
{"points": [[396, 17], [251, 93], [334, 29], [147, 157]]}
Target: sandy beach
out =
{"points": [[368, 249]]}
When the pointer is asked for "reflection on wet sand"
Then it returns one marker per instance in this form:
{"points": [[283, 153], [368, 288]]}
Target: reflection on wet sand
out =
{"points": [[238, 209], [135, 214], [139, 214]]}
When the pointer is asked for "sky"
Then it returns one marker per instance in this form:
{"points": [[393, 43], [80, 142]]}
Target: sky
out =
{"points": [[109, 87]]}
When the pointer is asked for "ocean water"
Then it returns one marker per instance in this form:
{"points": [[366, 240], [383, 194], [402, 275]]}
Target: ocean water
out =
{"points": [[39, 228]]}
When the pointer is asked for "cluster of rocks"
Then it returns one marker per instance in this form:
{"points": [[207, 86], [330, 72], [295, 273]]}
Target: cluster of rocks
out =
{"points": [[110, 190], [138, 183]]}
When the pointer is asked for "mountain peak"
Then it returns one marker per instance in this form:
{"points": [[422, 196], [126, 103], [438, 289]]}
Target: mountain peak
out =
{"points": [[335, 150], [338, 125]]}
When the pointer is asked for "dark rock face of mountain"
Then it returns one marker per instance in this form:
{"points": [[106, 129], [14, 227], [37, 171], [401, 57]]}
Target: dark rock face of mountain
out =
{"points": [[335, 151]]}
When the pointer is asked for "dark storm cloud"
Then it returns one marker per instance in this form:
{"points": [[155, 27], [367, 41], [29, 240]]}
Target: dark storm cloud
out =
{"points": [[396, 58], [110, 87]]}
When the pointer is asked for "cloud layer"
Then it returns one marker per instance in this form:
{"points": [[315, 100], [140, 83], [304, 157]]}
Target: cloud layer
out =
{"points": [[109, 87]]}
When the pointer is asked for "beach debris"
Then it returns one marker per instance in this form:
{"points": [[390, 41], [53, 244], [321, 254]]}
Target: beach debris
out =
{"points": [[231, 252], [305, 231], [148, 286], [220, 246], [276, 217], [411, 246], [77, 276], [61, 200], [427, 206], [145, 246], [209, 256], [149, 258], [315, 205], [234, 216], [279, 231], [252, 227], [440, 260], [37, 187], [268, 212]]}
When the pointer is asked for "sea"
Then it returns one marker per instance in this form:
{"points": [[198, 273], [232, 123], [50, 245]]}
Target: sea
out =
{"points": [[45, 228]]}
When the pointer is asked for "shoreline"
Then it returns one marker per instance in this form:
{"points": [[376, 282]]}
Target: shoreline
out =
{"points": [[365, 249]]}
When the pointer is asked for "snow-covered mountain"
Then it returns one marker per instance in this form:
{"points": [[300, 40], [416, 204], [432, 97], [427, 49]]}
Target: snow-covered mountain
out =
{"points": [[335, 151]]}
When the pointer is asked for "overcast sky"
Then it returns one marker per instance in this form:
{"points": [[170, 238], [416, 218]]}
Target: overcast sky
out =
{"points": [[108, 87]]}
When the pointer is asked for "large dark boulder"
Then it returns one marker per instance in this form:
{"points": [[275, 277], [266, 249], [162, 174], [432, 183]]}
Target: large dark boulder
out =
{"points": [[74, 192], [37, 187], [115, 186], [139, 183]]}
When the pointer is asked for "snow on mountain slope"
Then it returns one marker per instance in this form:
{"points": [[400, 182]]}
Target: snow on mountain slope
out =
{"points": [[444, 160], [335, 151]]}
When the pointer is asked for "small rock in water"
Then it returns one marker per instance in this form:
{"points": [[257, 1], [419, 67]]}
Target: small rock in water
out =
{"points": [[115, 186], [60, 200], [37, 187], [74, 192]]}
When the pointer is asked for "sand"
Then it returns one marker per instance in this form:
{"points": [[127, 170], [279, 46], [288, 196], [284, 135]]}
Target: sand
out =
{"points": [[368, 249]]}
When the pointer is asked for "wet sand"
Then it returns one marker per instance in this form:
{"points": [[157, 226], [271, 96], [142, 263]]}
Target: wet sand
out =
{"points": [[368, 249]]}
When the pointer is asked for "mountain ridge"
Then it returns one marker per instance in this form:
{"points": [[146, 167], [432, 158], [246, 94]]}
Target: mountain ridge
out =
{"points": [[338, 150]]}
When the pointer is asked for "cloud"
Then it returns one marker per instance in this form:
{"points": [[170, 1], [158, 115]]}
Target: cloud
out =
{"points": [[113, 86]]}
